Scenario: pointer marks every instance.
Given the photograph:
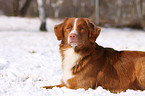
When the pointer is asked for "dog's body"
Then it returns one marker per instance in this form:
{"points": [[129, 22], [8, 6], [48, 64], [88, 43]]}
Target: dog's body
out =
{"points": [[86, 65]]}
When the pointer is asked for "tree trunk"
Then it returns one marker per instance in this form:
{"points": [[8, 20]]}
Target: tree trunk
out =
{"points": [[25, 7], [118, 18], [143, 13], [15, 7], [139, 11], [42, 14], [56, 12], [97, 11]]}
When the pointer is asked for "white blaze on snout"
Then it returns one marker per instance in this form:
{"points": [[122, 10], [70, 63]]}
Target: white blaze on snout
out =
{"points": [[73, 31], [75, 27]]}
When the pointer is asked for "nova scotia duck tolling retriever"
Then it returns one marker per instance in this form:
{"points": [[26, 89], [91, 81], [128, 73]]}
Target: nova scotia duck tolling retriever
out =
{"points": [[85, 64]]}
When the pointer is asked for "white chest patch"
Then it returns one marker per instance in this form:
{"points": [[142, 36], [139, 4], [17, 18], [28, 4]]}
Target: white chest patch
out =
{"points": [[70, 60]]}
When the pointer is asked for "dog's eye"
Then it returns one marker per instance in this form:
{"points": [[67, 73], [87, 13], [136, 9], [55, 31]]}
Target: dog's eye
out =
{"points": [[68, 28], [81, 28]]}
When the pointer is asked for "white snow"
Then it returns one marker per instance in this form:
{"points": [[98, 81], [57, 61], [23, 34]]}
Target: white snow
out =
{"points": [[30, 59]]}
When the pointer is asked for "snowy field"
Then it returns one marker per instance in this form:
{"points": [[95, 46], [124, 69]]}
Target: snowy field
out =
{"points": [[30, 59]]}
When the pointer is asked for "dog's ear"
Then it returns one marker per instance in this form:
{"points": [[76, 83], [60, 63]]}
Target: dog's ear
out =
{"points": [[94, 31], [59, 31]]}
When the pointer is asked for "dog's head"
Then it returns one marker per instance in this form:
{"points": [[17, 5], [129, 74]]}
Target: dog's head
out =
{"points": [[77, 31]]}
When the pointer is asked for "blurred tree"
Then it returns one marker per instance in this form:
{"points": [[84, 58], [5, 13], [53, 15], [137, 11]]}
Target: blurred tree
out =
{"points": [[118, 13], [143, 14], [56, 7], [97, 11], [20, 10], [42, 14], [138, 7], [15, 7], [24, 9]]}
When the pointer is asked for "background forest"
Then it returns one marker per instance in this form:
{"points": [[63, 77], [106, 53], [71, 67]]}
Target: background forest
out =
{"points": [[114, 13]]}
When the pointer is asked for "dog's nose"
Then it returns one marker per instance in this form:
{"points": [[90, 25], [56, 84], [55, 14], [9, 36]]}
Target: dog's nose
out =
{"points": [[72, 36]]}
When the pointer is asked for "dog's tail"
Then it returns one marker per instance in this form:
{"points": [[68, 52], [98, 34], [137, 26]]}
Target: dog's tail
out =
{"points": [[50, 87]]}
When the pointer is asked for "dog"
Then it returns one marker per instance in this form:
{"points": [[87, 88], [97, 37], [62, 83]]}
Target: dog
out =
{"points": [[85, 64]]}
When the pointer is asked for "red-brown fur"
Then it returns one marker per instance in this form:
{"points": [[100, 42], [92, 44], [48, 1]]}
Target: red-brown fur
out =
{"points": [[113, 70]]}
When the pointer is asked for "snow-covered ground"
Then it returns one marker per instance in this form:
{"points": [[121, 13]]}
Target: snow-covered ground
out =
{"points": [[30, 59]]}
